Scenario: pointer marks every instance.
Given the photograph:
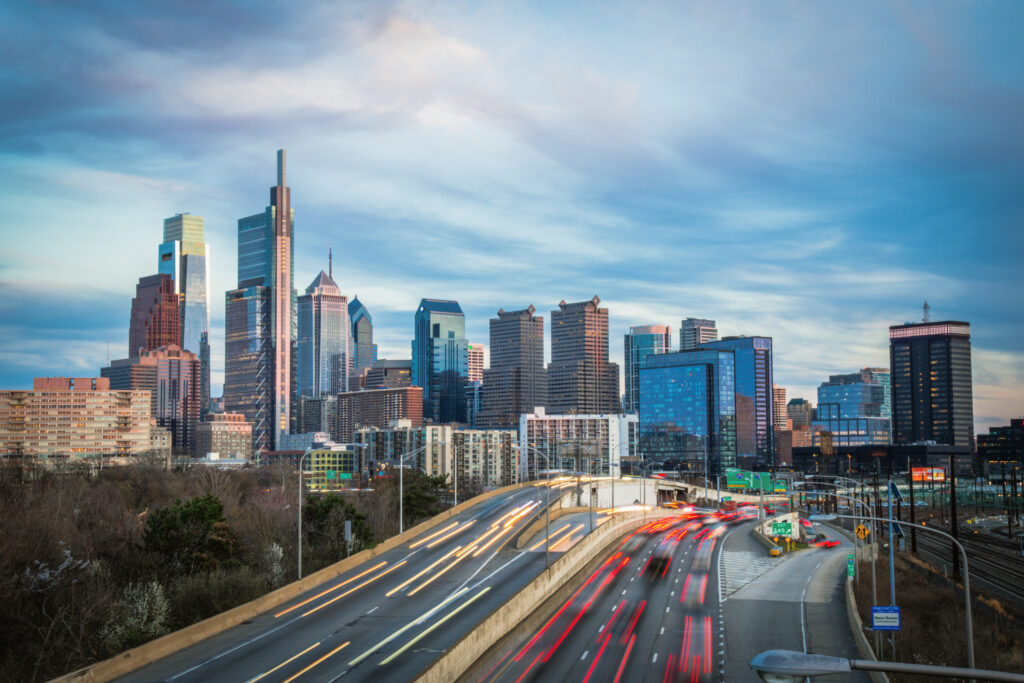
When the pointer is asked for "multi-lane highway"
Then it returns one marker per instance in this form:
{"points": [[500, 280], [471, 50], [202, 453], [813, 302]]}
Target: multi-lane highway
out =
{"points": [[390, 617], [649, 611]]}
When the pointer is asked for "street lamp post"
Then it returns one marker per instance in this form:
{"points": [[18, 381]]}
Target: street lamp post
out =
{"points": [[547, 508], [401, 485], [300, 510]]}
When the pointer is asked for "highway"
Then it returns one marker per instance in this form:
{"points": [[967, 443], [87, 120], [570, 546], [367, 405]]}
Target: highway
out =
{"points": [[650, 611], [390, 617]]}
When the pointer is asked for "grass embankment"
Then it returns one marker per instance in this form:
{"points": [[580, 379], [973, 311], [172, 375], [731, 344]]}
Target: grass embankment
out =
{"points": [[932, 608]]}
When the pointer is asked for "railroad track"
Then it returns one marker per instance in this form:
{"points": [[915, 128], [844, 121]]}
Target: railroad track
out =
{"points": [[992, 568]]}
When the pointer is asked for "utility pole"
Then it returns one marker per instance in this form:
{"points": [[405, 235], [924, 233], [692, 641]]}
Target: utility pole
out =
{"points": [[1006, 503], [952, 513], [913, 530]]}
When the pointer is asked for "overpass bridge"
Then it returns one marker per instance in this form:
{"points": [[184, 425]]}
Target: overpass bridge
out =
{"points": [[393, 610]]}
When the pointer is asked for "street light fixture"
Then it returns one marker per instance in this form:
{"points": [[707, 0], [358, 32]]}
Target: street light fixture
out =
{"points": [[784, 666], [547, 508], [401, 486]]}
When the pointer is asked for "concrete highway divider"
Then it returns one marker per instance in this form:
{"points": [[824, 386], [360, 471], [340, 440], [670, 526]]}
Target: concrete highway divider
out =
{"points": [[458, 658], [140, 656]]}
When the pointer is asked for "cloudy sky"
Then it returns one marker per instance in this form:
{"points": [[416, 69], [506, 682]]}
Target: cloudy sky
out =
{"points": [[808, 171]]}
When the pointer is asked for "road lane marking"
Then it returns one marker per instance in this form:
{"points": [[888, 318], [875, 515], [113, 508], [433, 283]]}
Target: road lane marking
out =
{"points": [[422, 572], [427, 631], [585, 653], [374, 609], [654, 658], [352, 590], [329, 654], [434, 535], [284, 663], [408, 626]]}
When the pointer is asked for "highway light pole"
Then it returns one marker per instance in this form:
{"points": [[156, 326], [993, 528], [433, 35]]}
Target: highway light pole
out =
{"points": [[300, 510], [547, 508], [401, 486], [788, 665]]}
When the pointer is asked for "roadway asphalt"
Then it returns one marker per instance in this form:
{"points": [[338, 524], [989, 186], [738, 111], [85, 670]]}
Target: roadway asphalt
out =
{"points": [[799, 604], [388, 618], [632, 619]]}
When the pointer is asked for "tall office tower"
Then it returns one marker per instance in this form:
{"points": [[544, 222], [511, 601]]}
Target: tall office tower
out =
{"points": [[259, 367], [641, 342], [932, 395], [440, 359], [690, 409], [173, 378], [516, 382], [388, 374], [204, 375], [185, 256], [696, 331], [362, 336], [323, 348], [475, 363], [580, 378], [155, 315], [880, 376], [779, 407], [800, 411], [754, 409], [850, 407]]}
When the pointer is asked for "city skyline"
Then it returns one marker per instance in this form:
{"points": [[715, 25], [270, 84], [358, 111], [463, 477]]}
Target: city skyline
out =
{"points": [[820, 209]]}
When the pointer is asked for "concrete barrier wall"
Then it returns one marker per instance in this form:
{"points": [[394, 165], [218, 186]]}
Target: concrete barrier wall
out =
{"points": [[857, 626], [458, 658], [138, 657]]}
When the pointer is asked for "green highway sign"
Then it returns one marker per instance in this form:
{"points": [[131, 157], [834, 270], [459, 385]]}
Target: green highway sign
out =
{"points": [[849, 566], [345, 475], [782, 528], [330, 474]]}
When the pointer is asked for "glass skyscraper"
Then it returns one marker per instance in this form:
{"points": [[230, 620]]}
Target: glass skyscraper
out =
{"points": [[932, 392], [850, 407], [185, 256], [754, 409], [689, 409], [642, 341], [365, 351], [440, 359], [260, 333], [323, 339], [696, 331]]}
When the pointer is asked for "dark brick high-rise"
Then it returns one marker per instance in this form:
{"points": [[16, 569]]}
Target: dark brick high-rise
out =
{"points": [[155, 315], [516, 381], [580, 378]]}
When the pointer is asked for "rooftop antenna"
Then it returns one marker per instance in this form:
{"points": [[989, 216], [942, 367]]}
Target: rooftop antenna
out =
{"points": [[927, 313], [330, 262]]}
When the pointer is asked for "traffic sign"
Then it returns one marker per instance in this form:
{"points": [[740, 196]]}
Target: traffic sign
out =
{"points": [[849, 566], [885, 618], [331, 474], [862, 532], [782, 528]]}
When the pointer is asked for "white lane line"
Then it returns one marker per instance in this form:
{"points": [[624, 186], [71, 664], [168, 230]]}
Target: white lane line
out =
{"points": [[374, 609], [585, 653], [414, 622], [654, 658], [662, 631], [666, 610], [623, 591], [601, 629], [429, 630]]}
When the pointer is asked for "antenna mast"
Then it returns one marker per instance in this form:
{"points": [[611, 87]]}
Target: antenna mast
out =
{"points": [[927, 313], [330, 264]]}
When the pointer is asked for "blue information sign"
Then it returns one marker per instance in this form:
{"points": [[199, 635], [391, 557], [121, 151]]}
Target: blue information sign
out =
{"points": [[885, 618]]}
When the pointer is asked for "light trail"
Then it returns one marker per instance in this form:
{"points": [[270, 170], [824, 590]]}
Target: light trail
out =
{"points": [[329, 654], [541, 541], [433, 535], [452, 534], [625, 658], [284, 663], [427, 631], [352, 590], [332, 588], [421, 573], [567, 537]]}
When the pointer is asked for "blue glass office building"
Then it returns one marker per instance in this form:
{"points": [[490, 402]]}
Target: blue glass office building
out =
{"points": [[754, 405], [689, 404], [323, 349], [641, 342], [440, 359], [851, 408]]}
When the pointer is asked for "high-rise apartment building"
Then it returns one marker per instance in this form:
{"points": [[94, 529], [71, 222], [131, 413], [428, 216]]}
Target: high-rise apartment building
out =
{"points": [[173, 378], [362, 336], [800, 411], [850, 408], [580, 378], [689, 414], [318, 415], [932, 392], [576, 443], [516, 381], [73, 417], [226, 434], [377, 408], [779, 407], [155, 320], [475, 363], [642, 341], [185, 256], [440, 359], [696, 331], [388, 374], [323, 348], [260, 327], [754, 404]]}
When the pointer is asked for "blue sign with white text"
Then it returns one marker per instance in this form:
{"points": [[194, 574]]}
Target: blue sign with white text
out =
{"points": [[885, 618]]}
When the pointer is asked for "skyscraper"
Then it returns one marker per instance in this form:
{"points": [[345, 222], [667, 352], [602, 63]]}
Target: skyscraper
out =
{"points": [[362, 336], [440, 359], [754, 409], [185, 256], [800, 411], [323, 347], [641, 342], [696, 331], [850, 407], [580, 378], [476, 363], [689, 409], [155, 320], [259, 379], [932, 393], [779, 407], [516, 381]]}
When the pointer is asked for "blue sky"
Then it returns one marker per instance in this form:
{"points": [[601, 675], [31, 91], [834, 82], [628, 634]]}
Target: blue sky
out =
{"points": [[808, 171]]}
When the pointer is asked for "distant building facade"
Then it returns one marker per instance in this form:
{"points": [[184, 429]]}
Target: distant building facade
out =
{"points": [[800, 411], [516, 380], [318, 414], [74, 417], [475, 363], [580, 378], [323, 352], [575, 443], [377, 408], [225, 433], [440, 360], [696, 331], [932, 392], [779, 413], [155, 320], [389, 374], [640, 342], [1001, 452], [850, 409], [362, 336], [173, 378]]}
